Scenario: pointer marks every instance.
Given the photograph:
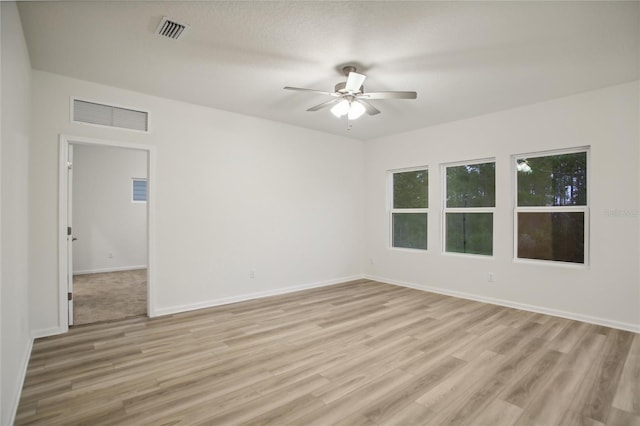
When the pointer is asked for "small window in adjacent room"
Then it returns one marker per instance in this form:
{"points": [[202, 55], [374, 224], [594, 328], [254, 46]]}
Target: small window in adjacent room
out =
{"points": [[139, 190], [551, 212], [409, 208], [469, 204]]}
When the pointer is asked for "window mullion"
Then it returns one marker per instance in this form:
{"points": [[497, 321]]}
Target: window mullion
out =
{"points": [[544, 209], [422, 210], [469, 209]]}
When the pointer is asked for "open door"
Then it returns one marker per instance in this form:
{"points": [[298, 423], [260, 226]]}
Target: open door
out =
{"points": [[67, 308], [70, 237]]}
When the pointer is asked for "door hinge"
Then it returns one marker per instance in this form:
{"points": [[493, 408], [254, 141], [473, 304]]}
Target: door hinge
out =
{"points": [[68, 230], [69, 296]]}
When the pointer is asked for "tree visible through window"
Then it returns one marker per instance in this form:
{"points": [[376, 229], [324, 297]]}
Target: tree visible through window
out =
{"points": [[409, 209], [469, 206], [551, 207]]}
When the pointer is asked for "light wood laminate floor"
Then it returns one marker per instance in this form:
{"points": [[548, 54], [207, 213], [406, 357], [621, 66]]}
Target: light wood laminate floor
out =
{"points": [[355, 353]]}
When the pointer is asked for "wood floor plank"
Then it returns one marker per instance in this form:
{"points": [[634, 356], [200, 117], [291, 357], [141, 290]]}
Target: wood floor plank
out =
{"points": [[361, 398], [469, 403], [441, 396], [549, 407], [627, 396], [242, 412], [569, 336], [411, 414], [165, 402], [490, 338], [412, 390], [356, 353], [619, 417], [598, 389], [287, 413], [522, 390], [498, 413]]}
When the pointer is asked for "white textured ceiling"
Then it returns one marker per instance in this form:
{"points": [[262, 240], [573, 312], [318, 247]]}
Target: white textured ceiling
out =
{"points": [[463, 58]]}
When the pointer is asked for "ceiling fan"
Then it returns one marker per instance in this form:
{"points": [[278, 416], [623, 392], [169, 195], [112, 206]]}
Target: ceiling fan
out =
{"points": [[350, 99]]}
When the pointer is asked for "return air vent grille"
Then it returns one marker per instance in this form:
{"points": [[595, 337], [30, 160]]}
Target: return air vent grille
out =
{"points": [[171, 29], [107, 115]]}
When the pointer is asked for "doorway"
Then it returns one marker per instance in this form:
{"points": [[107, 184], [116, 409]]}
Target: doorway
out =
{"points": [[106, 188]]}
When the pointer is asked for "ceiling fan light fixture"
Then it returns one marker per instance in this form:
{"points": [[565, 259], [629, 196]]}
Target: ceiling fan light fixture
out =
{"points": [[341, 108], [349, 97], [356, 110]]}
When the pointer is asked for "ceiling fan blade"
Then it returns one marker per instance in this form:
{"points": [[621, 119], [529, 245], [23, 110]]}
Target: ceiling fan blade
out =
{"points": [[354, 82], [324, 104], [371, 110], [299, 89], [388, 95]]}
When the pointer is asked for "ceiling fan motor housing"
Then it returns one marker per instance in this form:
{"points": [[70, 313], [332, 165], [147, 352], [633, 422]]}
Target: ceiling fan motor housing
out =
{"points": [[341, 88], [349, 68]]}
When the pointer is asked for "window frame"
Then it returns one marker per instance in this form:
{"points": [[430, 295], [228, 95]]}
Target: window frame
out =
{"points": [[445, 209], [146, 198], [551, 209], [391, 210]]}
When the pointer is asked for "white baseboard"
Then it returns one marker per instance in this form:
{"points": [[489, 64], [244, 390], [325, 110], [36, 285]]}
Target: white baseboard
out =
{"points": [[46, 332], [250, 296], [634, 328], [114, 269], [20, 384]]}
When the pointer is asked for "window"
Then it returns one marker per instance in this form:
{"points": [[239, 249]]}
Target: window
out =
{"points": [[139, 191], [469, 206], [409, 208], [551, 207]]}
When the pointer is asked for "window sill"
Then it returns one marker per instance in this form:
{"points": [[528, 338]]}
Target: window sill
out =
{"points": [[468, 255], [552, 263]]}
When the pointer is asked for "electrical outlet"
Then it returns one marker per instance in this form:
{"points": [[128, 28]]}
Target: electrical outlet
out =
{"points": [[252, 274], [491, 278], [110, 255]]}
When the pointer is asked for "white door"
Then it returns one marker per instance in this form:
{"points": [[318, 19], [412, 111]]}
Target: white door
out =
{"points": [[70, 232]]}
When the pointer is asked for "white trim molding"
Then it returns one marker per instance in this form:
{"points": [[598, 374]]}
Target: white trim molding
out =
{"points": [[634, 328], [251, 296], [115, 269], [64, 142], [46, 332], [23, 373]]}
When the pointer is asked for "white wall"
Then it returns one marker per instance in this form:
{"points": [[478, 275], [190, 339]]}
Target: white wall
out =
{"points": [[14, 231], [234, 194], [237, 194], [608, 291], [111, 229]]}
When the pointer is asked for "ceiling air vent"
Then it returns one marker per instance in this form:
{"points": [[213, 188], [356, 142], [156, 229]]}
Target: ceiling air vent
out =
{"points": [[112, 116], [171, 29]]}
